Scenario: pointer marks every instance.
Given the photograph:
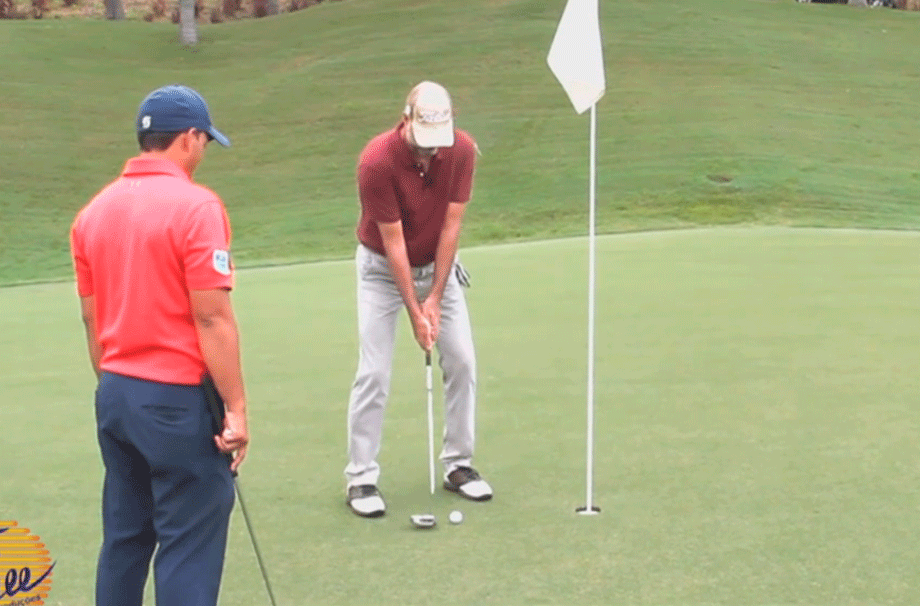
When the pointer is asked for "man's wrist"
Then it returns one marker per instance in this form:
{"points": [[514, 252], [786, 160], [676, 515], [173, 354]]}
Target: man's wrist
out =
{"points": [[436, 295], [238, 407]]}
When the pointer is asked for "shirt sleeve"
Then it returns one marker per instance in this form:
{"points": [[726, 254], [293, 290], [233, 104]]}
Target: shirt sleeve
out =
{"points": [[206, 256], [377, 194], [466, 166], [80, 264]]}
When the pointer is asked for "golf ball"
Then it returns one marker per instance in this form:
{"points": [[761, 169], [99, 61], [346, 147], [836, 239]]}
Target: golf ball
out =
{"points": [[455, 517]]}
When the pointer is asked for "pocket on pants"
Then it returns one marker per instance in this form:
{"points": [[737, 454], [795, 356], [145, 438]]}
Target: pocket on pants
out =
{"points": [[171, 422], [166, 413], [372, 265]]}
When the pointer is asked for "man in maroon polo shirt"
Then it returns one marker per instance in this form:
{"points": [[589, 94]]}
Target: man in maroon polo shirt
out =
{"points": [[414, 182]]}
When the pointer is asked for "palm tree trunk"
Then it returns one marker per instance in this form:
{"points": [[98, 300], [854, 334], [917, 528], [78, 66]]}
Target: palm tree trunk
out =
{"points": [[114, 10], [188, 27]]}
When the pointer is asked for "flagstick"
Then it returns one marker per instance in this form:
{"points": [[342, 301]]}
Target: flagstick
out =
{"points": [[589, 508], [576, 58]]}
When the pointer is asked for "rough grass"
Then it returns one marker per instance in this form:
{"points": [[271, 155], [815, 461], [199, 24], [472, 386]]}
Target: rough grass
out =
{"points": [[720, 112]]}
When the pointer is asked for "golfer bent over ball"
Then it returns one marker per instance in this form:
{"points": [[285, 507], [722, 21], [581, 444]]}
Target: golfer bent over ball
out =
{"points": [[413, 181], [152, 261]]}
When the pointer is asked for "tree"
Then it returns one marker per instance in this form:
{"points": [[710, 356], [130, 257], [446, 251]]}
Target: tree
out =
{"points": [[114, 10], [261, 8], [188, 27]]}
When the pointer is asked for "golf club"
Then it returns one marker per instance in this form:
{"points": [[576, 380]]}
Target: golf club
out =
{"points": [[428, 520], [216, 405], [430, 419]]}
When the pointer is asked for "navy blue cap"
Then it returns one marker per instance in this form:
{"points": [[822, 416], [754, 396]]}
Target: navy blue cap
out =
{"points": [[174, 109]]}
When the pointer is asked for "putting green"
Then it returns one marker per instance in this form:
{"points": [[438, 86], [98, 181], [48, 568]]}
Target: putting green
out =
{"points": [[756, 429]]}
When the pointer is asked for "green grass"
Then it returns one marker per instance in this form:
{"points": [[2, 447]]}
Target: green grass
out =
{"points": [[756, 429], [809, 110], [756, 388]]}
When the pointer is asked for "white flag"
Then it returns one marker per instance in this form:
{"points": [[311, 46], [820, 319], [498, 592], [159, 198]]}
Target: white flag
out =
{"points": [[576, 56]]}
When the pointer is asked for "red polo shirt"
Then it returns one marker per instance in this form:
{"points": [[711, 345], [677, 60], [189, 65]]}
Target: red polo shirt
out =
{"points": [[392, 187], [139, 247]]}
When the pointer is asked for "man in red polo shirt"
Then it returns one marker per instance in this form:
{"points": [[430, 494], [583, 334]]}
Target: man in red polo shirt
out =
{"points": [[414, 182], [152, 261]]}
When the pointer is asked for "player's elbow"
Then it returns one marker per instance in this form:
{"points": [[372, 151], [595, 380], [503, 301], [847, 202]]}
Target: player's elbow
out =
{"points": [[88, 311], [211, 308]]}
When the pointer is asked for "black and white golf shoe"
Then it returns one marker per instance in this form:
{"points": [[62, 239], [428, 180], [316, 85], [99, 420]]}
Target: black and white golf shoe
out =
{"points": [[366, 501], [467, 482]]}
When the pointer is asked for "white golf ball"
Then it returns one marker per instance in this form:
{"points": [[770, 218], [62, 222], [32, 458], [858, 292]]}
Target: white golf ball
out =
{"points": [[455, 517]]}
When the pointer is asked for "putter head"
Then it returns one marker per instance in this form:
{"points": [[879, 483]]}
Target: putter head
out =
{"points": [[423, 520]]}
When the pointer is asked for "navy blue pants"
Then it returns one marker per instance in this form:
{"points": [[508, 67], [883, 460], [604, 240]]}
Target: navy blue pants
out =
{"points": [[167, 488]]}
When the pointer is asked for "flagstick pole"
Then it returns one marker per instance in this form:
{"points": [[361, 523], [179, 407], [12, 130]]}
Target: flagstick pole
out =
{"points": [[589, 508]]}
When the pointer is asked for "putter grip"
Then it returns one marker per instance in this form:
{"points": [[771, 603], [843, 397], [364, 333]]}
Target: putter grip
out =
{"points": [[427, 358], [216, 406]]}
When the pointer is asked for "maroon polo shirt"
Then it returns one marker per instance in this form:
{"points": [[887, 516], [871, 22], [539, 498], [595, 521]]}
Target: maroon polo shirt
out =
{"points": [[392, 187]]}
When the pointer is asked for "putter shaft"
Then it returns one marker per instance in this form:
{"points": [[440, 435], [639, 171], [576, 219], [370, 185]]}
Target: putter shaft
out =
{"points": [[216, 405], [428, 384], [255, 545]]}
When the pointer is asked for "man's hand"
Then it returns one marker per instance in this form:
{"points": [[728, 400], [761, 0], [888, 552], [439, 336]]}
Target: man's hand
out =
{"points": [[422, 329], [234, 438], [431, 310]]}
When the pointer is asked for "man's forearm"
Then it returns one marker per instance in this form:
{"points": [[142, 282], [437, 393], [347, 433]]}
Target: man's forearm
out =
{"points": [[220, 347], [398, 260], [88, 313], [444, 259], [95, 349]]}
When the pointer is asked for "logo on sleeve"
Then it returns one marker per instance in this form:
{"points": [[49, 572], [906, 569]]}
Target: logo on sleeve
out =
{"points": [[222, 262]]}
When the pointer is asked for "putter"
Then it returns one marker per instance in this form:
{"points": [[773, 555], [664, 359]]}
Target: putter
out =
{"points": [[423, 520], [427, 520], [216, 405]]}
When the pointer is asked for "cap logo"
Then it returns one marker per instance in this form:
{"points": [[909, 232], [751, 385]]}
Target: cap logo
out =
{"points": [[145, 122], [432, 116]]}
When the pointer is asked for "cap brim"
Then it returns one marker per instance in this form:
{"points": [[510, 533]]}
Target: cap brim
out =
{"points": [[433, 135], [218, 136]]}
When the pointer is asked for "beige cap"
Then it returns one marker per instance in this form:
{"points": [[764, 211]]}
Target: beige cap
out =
{"points": [[431, 116]]}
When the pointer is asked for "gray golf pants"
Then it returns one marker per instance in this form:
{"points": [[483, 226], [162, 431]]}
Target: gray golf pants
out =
{"points": [[379, 306]]}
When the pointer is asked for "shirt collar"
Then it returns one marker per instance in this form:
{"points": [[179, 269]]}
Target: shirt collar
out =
{"points": [[146, 165]]}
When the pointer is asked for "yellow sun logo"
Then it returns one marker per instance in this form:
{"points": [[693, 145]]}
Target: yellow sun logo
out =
{"points": [[25, 566]]}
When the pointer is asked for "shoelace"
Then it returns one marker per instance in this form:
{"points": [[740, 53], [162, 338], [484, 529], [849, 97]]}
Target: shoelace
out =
{"points": [[467, 475], [365, 491]]}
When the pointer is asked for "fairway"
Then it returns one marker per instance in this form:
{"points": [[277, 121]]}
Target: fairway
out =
{"points": [[756, 437]]}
